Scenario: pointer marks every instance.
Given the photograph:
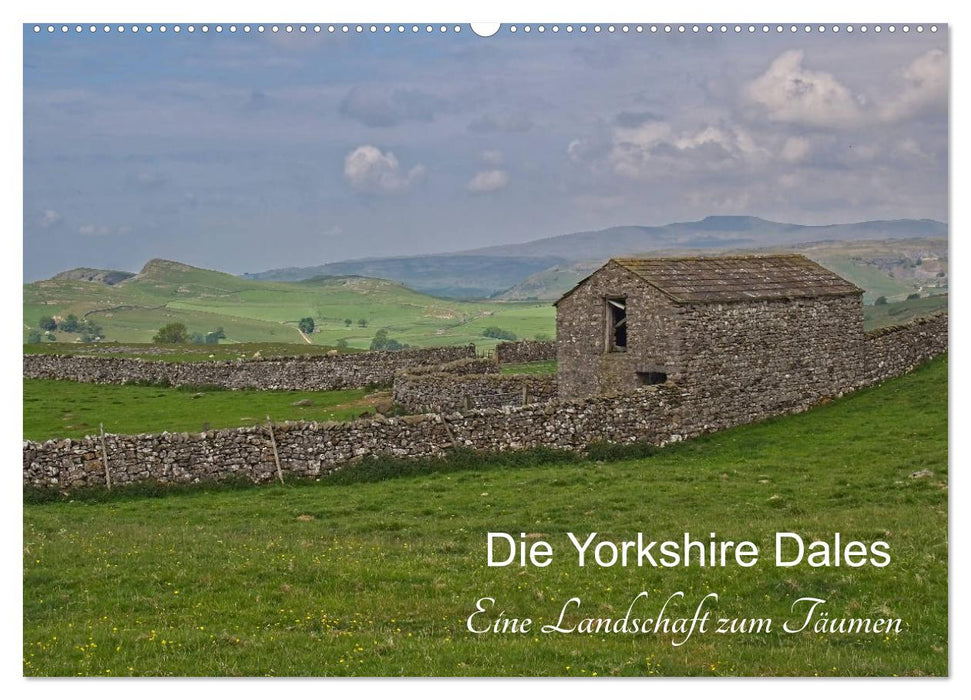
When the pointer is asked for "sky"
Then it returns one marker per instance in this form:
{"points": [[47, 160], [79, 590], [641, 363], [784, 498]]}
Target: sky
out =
{"points": [[246, 152]]}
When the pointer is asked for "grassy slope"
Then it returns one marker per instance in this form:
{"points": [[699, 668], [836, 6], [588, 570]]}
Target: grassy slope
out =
{"points": [[379, 578], [896, 312], [58, 409], [259, 311]]}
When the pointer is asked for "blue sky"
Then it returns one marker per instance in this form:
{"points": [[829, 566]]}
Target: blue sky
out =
{"points": [[244, 152]]}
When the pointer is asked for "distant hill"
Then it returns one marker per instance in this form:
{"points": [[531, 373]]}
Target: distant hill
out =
{"points": [[458, 276], [344, 307], [90, 274], [893, 268], [496, 270]]}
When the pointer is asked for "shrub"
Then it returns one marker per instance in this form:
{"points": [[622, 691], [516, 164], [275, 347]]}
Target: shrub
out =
{"points": [[498, 333], [915, 295], [33, 337], [880, 301]]}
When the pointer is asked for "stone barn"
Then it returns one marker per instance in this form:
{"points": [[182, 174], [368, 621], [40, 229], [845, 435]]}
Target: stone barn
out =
{"points": [[777, 328]]}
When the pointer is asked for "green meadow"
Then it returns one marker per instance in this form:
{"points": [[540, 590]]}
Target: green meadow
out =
{"points": [[375, 570], [348, 309], [59, 409]]}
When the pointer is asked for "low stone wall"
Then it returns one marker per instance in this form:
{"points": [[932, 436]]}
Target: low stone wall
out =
{"points": [[307, 373], [655, 414], [468, 365], [892, 351], [521, 351], [422, 392]]}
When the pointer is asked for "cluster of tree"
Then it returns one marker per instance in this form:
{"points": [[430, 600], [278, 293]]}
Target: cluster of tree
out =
{"points": [[381, 341], [176, 333], [361, 322], [499, 333], [86, 329], [210, 338], [306, 325]]}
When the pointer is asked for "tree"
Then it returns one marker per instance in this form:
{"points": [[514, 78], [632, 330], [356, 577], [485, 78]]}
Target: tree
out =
{"points": [[381, 341], [33, 337], [880, 301], [915, 295], [171, 333], [362, 323], [348, 322], [306, 325], [47, 323], [213, 337], [92, 329], [70, 324], [342, 344]]}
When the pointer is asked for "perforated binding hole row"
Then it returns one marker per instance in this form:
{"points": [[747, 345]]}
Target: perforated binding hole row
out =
{"points": [[486, 30]]}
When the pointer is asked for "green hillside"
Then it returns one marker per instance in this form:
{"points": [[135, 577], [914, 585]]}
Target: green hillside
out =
{"points": [[351, 576], [264, 311]]}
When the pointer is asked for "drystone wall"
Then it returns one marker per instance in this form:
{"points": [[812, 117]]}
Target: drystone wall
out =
{"points": [[890, 352], [309, 373], [656, 414], [423, 392], [467, 365], [521, 351]]}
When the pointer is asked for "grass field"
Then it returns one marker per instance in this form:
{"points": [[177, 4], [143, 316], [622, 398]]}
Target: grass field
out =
{"points": [[540, 367], [252, 311], [58, 409], [379, 578], [897, 312]]}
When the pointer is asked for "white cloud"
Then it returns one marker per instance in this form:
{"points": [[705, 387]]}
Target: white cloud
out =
{"points": [[793, 94], [50, 218], [925, 86], [99, 230], [795, 149], [488, 181], [654, 148], [368, 169]]}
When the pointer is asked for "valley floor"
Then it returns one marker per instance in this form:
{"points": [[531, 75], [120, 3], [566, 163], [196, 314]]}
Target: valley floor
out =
{"points": [[380, 578]]}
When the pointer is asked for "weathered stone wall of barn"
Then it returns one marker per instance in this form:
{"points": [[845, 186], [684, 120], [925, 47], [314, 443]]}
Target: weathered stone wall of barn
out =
{"points": [[521, 351], [656, 414], [443, 392], [305, 373], [583, 367], [776, 352]]}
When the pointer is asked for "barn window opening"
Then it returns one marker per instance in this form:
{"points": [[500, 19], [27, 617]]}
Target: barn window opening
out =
{"points": [[652, 377], [617, 323]]}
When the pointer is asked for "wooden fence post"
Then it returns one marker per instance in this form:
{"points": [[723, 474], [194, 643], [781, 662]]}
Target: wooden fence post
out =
{"points": [[276, 455], [104, 457]]}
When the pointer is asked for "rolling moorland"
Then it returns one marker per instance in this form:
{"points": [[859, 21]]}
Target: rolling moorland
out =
{"points": [[375, 570], [549, 265], [349, 310]]}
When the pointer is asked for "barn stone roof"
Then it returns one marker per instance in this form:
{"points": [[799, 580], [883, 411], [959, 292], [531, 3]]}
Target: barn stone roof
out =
{"points": [[737, 278]]}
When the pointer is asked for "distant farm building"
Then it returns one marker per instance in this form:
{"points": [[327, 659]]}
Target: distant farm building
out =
{"points": [[755, 323]]}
